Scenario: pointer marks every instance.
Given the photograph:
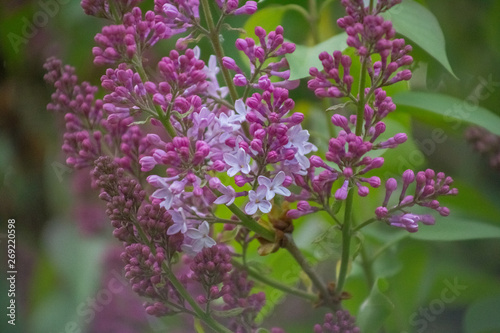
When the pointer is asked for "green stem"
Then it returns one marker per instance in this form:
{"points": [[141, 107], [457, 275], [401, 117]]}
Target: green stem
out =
{"points": [[137, 62], [275, 284], [361, 102], [198, 311], [212, 323], [347, 230], [346, 243], [313, 21], [219, 52], [325, 295], [374, 219], [251, 224]]}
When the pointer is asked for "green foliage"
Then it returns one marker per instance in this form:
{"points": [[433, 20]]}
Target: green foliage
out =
{"points": [[482, 316], [375, 309], [306, 57], [455, 228], [416, 22], [449, 110]]}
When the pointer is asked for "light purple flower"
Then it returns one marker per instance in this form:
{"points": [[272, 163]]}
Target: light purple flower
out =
{"points": [[227, 197], [274, 186], [241, 112], [299, 139], [258, 201], [238, 163], [200, 237], [410, 221], [179, 222], [163, 192]]}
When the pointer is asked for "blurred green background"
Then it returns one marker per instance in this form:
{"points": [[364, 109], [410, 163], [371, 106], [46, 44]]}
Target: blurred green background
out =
{"points": [[64, 246]]}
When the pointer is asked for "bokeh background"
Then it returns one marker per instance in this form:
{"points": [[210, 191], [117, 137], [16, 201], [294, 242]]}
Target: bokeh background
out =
{"points": [[66, 256]]}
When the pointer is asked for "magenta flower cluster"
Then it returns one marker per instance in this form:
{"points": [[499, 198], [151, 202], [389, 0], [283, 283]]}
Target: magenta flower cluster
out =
{"points": [[171, 147]]}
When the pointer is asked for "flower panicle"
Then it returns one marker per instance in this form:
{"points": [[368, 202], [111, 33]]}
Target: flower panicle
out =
{"points": [[429, 186]]}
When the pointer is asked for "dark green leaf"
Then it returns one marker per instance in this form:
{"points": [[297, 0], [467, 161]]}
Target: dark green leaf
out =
{"points": [[455, 228], [375, 309], [268, 18], [452, 110], [416, 22], [305, 57], [482, 316]]}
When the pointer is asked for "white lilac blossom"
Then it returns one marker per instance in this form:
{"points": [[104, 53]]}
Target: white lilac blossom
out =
{"points": [[239, 162], [258, 201], [200, 237], [274, 186]]}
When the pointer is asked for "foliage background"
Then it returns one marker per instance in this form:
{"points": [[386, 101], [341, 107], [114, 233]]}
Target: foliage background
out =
{"points": [[59, 267]]}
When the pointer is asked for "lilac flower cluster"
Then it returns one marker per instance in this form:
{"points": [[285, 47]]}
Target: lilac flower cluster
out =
{"points": [[486, 143], [341, 322], [272, 45], [370, 35], [428, 187], [241, 145]]}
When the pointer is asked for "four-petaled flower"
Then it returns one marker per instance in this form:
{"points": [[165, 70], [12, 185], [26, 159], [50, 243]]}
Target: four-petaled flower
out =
{"points": [[200, 237], [179, 222], [241, 111], [238, 163], [163, 193], [258, 201], [274, 186], [227, 197]]}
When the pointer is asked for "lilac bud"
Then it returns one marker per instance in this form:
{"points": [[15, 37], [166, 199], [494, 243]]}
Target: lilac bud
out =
{"points": [[341, 193], [406, 200], [294, 214], [240, 80], [229, 63], [288, 181], [427, 219], [381, 212], [408, 176], [443, 211], [214, 183], [260, 32], [363, 191], [241, 44], [303, 206], [390, 186], [297, 118], [240, 180], [317, 161]]}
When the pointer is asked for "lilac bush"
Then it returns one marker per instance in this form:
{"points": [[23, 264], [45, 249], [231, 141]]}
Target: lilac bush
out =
{"points": [[171, 145]]}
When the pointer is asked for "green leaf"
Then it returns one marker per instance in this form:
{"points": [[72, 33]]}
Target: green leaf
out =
{"points": [[452, 110], [375, 309], [268, 18], [456, 228], [416, 22], [141, 122], [482, 316], [198, 326], [305, 57]]}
